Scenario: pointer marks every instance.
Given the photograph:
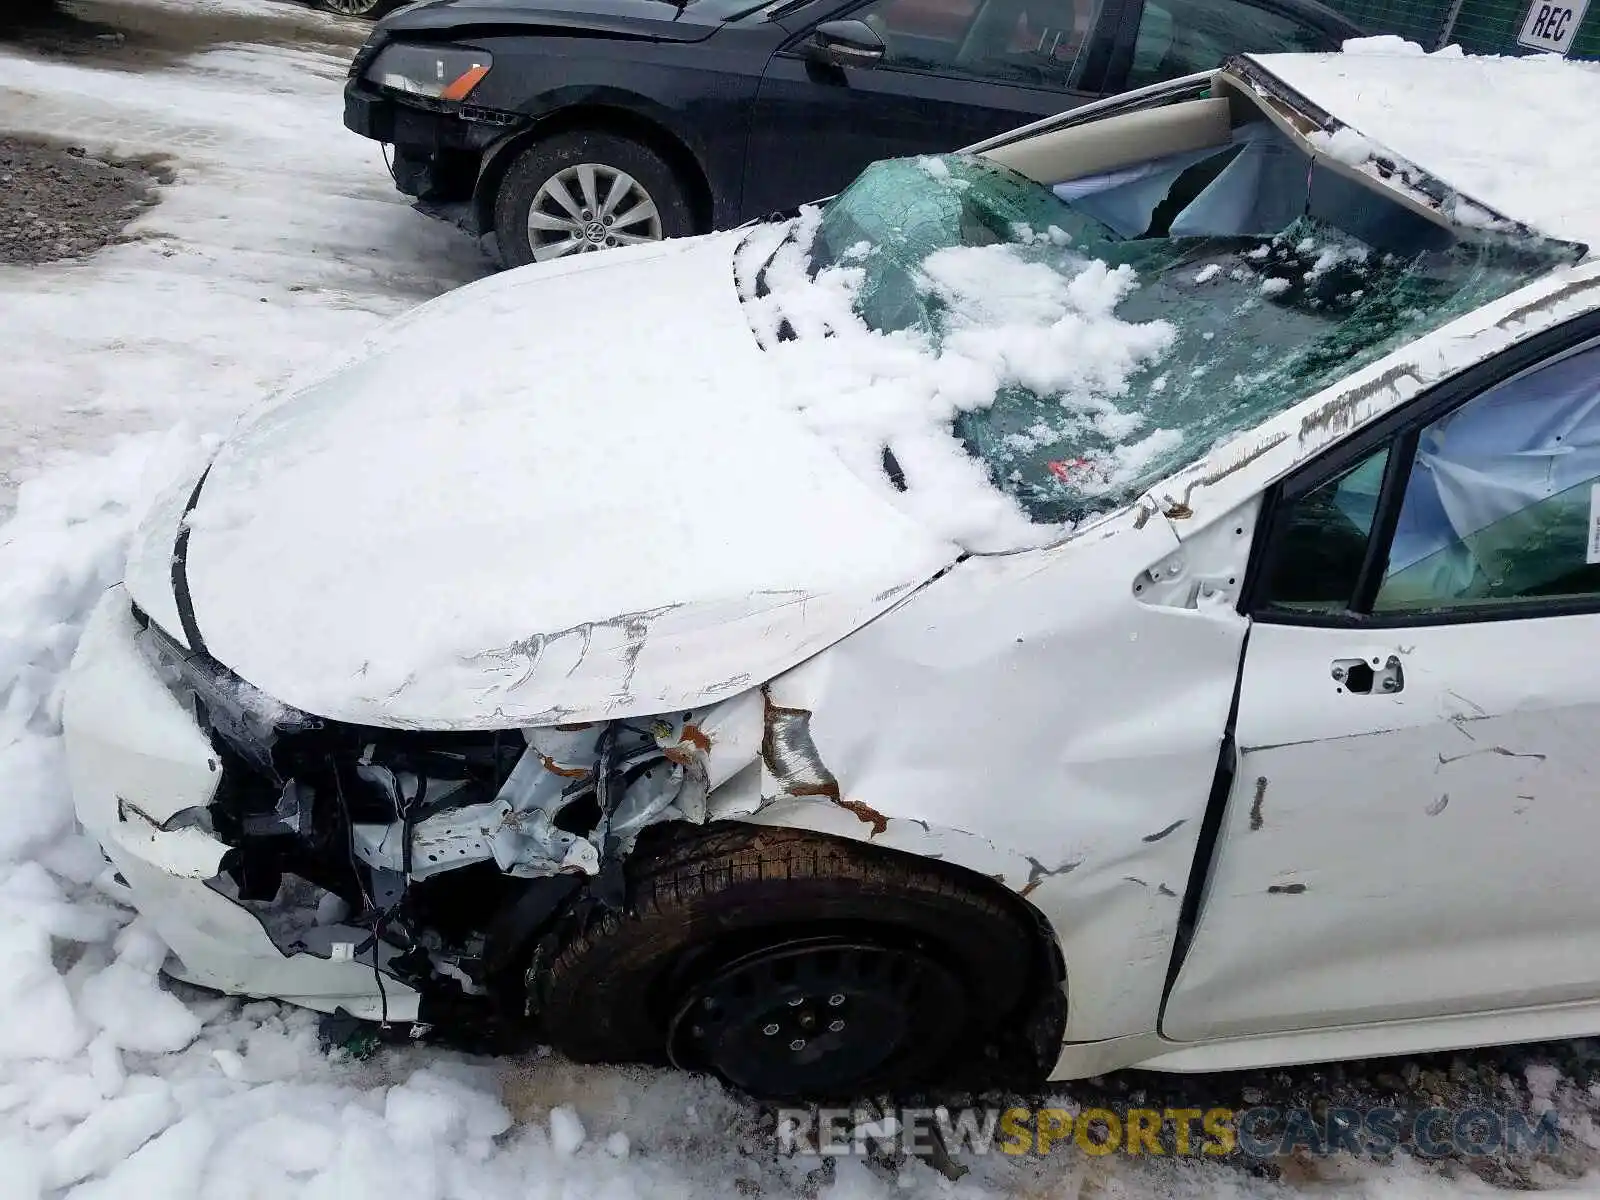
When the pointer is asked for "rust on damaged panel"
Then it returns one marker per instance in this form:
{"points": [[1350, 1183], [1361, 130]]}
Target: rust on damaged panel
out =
{"points": [[790, 755]]}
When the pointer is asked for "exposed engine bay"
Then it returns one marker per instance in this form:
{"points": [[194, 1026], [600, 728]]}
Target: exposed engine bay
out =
{"points": [[438, 858]]}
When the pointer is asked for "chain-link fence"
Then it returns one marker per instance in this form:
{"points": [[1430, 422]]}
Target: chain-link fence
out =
{"points": [[1477, 26]]}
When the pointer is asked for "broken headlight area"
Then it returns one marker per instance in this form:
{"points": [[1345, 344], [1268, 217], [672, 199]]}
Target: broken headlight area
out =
{"points": [[435, 858], [444, 74], [246, 718]]}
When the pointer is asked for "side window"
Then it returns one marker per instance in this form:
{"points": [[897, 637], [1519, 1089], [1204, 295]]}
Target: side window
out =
{"points": [[1029, 42], [1503, 500], [1501, 506], [1324, 540], [1178, 37]]}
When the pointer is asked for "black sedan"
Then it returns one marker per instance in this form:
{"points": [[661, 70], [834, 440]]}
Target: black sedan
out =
{"points": [[566, 126]]}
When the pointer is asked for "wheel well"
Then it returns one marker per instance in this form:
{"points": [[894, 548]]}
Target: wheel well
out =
{"points": [[1033, 1040], [601, 119]]}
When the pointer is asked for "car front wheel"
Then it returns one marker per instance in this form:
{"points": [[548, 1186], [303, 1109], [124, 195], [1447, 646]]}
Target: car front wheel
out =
{"points": [[793, 966], [579, 192], [361, 8]]}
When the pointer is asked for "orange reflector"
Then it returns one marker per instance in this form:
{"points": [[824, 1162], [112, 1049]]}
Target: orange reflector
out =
{"points": [[464, 83]]}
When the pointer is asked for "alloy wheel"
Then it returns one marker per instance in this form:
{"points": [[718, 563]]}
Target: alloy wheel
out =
{"points": [[351, 8], [589, 207]]}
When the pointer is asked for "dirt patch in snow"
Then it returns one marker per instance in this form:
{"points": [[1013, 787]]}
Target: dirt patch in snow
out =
{"points": [[136, 37], [58, 201]]}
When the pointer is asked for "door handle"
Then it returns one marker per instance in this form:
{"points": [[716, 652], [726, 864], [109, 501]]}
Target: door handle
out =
{"points": [[1363, 677]]}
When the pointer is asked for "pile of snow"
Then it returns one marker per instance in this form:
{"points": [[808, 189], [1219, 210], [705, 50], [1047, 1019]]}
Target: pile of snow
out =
{"points": [[282, 242], [1344, 145], [114, 1088], [1008, 321]]}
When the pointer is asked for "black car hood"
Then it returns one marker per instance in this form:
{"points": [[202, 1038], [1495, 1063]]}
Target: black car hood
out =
{"points": [[660, 20]]}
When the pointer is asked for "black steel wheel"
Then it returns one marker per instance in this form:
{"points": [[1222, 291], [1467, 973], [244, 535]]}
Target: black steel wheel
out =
{"points": [[793, 965], [824, 1016]]}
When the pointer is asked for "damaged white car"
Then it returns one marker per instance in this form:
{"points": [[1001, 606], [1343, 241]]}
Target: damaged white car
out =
{"points": [[1116, 596]]}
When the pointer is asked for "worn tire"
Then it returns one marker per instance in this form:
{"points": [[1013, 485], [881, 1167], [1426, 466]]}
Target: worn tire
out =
{"points": [[535, 165], [694, 903]]}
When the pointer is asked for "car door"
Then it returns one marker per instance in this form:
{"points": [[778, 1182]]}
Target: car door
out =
{"points": [[1412, 821], [953, 72], [1160, 40]]}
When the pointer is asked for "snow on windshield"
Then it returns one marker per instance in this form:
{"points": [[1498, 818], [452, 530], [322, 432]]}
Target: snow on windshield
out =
{"points": [[886, 399], [1006, 365]]}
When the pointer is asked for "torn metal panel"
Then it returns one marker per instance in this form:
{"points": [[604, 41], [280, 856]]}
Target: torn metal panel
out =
{"points": [[298, 911], [790, 755], [218, 943], [1001, 721], [354, 850], [1392, 836], [661, 769], [189, 852]]}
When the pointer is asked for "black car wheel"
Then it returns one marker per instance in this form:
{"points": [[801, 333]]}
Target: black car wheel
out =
{"points": [[792, 965], [579, 192], [361, 8]]}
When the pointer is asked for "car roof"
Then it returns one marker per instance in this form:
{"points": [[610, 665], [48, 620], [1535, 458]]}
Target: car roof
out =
{"points": [[1517, 135]]}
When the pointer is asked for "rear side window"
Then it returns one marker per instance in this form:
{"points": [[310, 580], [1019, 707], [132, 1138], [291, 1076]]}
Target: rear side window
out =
{"points": [[1179, 37]]}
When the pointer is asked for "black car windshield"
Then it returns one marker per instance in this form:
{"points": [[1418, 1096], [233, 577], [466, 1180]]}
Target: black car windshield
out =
{"points": [[1132, 321]]}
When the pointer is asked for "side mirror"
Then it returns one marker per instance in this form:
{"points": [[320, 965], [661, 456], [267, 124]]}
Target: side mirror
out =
{"points": [[849, 43]]}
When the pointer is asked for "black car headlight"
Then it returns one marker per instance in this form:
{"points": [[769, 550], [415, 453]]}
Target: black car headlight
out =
{"points": [[446, 73], [243, 716]]}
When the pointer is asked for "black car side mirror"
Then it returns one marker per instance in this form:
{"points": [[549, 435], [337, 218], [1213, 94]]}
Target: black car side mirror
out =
{"points": [[847, 43]]}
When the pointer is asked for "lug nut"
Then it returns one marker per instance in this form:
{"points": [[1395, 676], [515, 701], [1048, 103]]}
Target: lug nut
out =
{"points": [[797, 1002], [769, 1030], [798, 1044], [835, 1026], [835, 1000]]}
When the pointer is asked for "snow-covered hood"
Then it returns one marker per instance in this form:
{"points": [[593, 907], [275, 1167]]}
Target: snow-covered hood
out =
{"points": [[563, 493]]}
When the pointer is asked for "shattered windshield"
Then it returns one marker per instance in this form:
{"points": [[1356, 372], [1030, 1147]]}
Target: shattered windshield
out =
{"points": [[1124, 324]]}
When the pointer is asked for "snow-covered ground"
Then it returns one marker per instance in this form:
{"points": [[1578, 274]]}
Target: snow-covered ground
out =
{"points": [[279, 246], [282, 241]]}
